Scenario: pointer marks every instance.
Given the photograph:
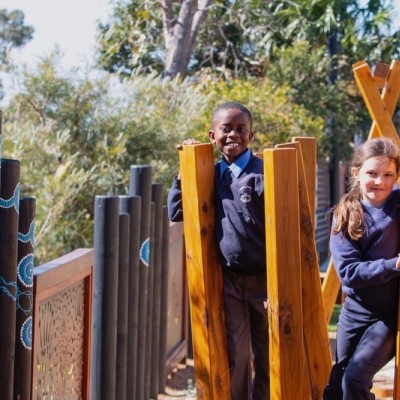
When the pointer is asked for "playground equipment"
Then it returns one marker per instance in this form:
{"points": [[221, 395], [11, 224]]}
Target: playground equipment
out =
{"points": [[298, 310], [295, 309], [380, 90]]}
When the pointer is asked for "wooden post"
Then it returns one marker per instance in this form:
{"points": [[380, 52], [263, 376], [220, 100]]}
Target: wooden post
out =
{"points": [[381, 106], [330, 289], [319, 358], [390, 94], [373, 99], [204, 274], [288, 374]]}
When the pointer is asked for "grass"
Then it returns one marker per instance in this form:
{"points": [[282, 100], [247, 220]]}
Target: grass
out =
{"points": [[334, 318]]}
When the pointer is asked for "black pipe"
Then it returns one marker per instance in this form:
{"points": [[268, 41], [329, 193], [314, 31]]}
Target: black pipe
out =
{"points": [[132, 206], [164, 300], [9, 210], [23, 336], [123, 288], [105, 297], [157, 198], [140, 185]]}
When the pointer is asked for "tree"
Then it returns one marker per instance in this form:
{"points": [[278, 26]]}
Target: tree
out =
{"points": [[76, 138], [180, 33], [240, 38], [139, 25], [13, 32]]}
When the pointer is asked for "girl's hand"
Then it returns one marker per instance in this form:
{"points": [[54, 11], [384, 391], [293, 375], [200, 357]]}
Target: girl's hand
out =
{"points": [[398, 262]]}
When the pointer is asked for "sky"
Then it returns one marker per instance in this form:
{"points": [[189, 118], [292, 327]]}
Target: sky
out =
{"points": [[69, 23]]}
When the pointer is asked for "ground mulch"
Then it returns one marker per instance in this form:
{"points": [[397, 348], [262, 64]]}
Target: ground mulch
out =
{"points": [[180, 383]]}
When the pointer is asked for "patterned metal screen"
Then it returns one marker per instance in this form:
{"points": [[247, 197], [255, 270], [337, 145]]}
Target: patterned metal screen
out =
{"points": [[59, 360], [62, 327]]}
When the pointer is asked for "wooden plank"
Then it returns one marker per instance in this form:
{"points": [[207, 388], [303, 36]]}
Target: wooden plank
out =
{"points": [[381, 127], [390, 95], [288, 375], [319, 358], [372, 98], [309, 156], [204, 273], [330, 289]]}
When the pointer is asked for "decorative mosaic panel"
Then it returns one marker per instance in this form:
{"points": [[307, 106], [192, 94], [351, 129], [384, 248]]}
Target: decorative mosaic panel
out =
{"points": [[59, 359]]}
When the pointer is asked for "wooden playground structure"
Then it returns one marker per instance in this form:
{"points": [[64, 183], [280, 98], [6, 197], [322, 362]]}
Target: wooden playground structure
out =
{"points": [[299, 307]]}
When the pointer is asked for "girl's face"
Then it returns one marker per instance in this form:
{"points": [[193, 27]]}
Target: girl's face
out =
{"points": [[377, 177]]}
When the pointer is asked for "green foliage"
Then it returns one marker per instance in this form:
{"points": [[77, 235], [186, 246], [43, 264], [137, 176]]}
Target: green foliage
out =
{"points": [[132, 39], [13, 32], [240, 38], [76, 138], [332, 326], [276, 118], [304, 70]]}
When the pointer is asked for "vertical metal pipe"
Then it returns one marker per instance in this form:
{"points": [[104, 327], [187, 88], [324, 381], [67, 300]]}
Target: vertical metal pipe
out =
{"points": [[164, 299], [9, 210], [140, 185], [105, 297], [123, 288], [23, 336], [149, 318], [132, 206], [157, 198]]}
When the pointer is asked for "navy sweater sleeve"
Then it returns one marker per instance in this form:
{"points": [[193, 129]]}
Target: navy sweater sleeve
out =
{"points": [[367, 266], [174, 201]]}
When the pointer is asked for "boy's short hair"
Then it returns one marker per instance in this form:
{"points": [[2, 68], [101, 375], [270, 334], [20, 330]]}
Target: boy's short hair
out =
{"points": [[233, 104]]}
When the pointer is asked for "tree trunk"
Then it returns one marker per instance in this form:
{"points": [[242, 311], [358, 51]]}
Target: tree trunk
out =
{"points": [[180, 37]]}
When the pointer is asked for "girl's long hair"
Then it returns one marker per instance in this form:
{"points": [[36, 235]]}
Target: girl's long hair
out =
{"points": [[348, 213]]}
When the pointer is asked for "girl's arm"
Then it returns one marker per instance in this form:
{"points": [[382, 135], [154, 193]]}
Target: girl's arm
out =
{"points": [[356, 273]]}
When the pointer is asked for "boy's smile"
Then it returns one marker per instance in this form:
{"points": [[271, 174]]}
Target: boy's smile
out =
{"points": [[231, 133]]}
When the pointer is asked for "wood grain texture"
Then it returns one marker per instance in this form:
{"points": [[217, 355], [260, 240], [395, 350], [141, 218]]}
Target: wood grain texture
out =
{"points": [[288, 371], [204, 273], [373, 100], [318, 358], [381, 106]]}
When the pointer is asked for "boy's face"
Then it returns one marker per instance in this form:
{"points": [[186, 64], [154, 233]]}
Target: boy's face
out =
{"points": [[231, 133]]}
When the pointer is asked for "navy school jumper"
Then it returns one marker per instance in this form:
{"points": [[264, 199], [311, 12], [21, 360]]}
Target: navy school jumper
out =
{"points": [[367, 323]]}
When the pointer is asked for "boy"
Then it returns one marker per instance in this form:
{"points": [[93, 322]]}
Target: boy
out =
{"points": [[240, 232]]}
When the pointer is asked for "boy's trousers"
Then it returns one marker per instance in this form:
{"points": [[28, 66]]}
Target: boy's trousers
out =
{"points": [[366, 342], [245, 303]]}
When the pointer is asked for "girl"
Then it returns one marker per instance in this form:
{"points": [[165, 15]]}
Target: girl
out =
{"points": [[364, 244]]}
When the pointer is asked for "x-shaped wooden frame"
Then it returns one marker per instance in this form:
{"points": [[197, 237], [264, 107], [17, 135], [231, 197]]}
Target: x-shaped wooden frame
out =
{"points": [[380, 91]]}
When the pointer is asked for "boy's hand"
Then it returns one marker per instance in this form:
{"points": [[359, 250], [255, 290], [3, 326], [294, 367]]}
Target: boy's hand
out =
{"points": [[187, 141]]}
